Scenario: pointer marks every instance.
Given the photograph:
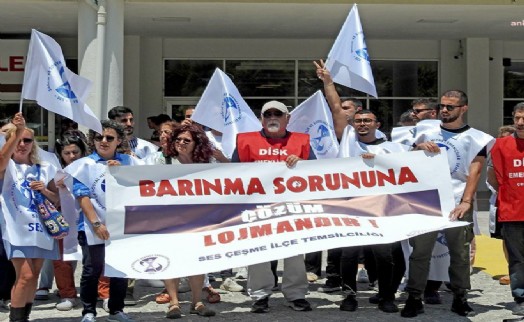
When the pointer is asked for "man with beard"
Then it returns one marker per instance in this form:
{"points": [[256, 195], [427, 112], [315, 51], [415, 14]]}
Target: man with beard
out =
{"points": [[124, 115], [288, 147], [422, 109], [506, 175], [466, 149]]}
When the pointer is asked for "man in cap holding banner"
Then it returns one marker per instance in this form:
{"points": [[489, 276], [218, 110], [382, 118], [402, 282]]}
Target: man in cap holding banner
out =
{"points": [[289, 147]]}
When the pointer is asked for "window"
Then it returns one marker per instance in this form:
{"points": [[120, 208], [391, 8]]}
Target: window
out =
{"points": [[293, 81], [513, 89]]}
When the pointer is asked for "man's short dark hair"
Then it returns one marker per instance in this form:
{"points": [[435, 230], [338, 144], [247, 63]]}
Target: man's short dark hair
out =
{"points": [[427, 102], [519, 107], [365, 112], [118, 111], [462, 97], [355, 101]]}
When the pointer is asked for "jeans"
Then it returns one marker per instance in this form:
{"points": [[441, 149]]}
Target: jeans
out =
{"points": [[93, 265]]}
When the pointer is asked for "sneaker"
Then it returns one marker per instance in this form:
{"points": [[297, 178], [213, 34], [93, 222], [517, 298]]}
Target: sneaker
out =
{"points": [[412, 308], [275, 288], [387, 306], [129, 299], [260, 306], [311, 277], [432, 298], [329, 288], [241, 274], [183, 286], [504, 280], [66, 304], [42, 294], [300, 305], [518, 309], [362, 276], [375, 299], [4, 305], [231, 286], [350, 303], [119, 317], [89, 317], [461, 307], [105, 305]]}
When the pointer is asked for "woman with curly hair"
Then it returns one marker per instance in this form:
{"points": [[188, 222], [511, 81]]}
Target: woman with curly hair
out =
{"points": [[27, 243], [188, 144]]}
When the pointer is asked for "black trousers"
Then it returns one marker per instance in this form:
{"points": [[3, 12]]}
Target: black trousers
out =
{"points": [[390, 267], [513, 235], [93, 257], [7, 273], [313, 263]]}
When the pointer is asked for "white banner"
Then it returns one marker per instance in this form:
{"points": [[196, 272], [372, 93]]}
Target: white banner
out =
{"points": [[168, 221]]}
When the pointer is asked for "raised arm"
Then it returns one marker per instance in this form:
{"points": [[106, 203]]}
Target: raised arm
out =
{"points": [[340, 120], [9, 147]]}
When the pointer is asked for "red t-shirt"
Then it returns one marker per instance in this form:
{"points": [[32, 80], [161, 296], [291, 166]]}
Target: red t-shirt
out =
{"points": [[253, 147], [507, 156]]}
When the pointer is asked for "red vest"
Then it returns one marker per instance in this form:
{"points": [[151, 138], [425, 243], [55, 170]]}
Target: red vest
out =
{"points": [[507, 156], [253, 147]]}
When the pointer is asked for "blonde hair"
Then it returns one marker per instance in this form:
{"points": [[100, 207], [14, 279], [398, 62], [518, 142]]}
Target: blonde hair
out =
{"points": [[33, 154]]}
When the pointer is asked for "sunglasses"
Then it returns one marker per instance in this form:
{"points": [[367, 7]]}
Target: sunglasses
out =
{"points": [[109, 138], [418, 111], [27, 140], [183, 140], [275, 114], [448, 107], [363, 121]]}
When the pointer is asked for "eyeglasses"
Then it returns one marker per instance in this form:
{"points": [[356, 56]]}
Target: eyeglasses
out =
{"points": [[109, 138], [363, 121], [268, 114], [27, 140], [183, 140], [417, 111], [448, 107]]}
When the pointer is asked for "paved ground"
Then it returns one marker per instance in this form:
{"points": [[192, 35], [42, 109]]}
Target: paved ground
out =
{"points": [[491, 302]]}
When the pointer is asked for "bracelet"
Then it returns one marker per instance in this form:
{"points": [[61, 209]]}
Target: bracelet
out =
{"points": [[466, 201]]}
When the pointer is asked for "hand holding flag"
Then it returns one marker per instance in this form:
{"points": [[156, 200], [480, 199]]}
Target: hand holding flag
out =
{"points": [[348, 60], [56, 88]]}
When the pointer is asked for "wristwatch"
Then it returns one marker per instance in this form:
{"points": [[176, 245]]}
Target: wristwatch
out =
{"points": [[96, 224]]}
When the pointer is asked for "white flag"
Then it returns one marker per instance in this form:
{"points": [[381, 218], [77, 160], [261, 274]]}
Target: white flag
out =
{"points": [[57, 89], [313, 117], [348, 61], [223, 109]]}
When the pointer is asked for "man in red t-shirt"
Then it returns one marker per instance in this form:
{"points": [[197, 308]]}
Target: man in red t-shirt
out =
{"points": [[506, 175], [274, 143]]}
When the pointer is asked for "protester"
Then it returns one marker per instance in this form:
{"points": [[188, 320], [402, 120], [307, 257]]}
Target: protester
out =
{"points": [[22, 172], [88, 189], [70, 147], [124, 115], [494, 225], [406, 119], [274, 135], [466, 149], [506, 175], [188, 144]]}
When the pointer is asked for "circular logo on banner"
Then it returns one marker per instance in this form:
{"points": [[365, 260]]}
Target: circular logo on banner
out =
{"points": [[231, 112], [358, 49], [151, 264], [58, 84], [100, 181], [319, 131]]}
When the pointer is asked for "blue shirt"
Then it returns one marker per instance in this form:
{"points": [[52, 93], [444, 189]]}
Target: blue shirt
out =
{"points": [[81, 190]]}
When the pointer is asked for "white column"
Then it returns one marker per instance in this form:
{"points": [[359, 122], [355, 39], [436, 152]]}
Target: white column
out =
{"points": [[477, 62], [452, 67], [496, 87], [87, 50], [114, 55]]}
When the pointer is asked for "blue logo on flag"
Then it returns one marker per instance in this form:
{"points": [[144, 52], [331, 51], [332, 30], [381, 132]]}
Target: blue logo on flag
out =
{"points": [[58, 84], [358, 49], [320, 137], [231, 111]]}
